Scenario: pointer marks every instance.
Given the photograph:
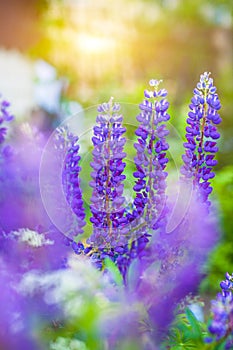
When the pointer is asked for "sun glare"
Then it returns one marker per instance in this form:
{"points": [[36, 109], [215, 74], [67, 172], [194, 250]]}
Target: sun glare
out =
{"points": [[94, 44]]}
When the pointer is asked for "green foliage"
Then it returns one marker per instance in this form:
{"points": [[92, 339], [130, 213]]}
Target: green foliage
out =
{"points": [[186, 333], [114, 271], [223, 186], [82, 329], [221, 259], [83, 308], [194, 324]]}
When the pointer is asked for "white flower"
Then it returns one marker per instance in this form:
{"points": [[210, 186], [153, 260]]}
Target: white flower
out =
{"points": [[67, 344], [31, 237], [71, 288]]}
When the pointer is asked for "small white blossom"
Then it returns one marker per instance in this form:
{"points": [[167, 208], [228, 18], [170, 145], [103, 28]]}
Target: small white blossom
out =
{"points": [[71, 288], [31, 237], [67, 344]]}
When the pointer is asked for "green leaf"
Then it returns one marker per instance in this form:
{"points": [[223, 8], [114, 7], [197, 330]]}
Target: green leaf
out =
{"points": [[113, 269], [194, 323]]}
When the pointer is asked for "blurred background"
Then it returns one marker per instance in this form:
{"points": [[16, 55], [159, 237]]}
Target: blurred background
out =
{"points": [[59, 57]]}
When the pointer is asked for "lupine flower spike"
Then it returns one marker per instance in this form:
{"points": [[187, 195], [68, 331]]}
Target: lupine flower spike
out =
{"points": [[201, 135], [67, 154], [150, 185], [71, 181], [107, 198], [221, 326], [118, 233], [151, 157]]}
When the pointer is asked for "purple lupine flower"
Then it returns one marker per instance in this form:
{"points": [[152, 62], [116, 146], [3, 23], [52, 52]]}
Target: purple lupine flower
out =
{"points": [[23, 252], [5, 116], [62, 183], [107, 197], [221, 325], [201, 136], [26, 249], [222, 309], [150, 184], [20, 200], [151, 160], [71, 181], [171, 265], [16, 326]]}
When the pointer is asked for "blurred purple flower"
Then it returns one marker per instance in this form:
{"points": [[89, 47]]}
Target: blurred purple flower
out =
{"points": [[26, 249], [171, 266], [5, 116], [16, 326], [20, 200]]}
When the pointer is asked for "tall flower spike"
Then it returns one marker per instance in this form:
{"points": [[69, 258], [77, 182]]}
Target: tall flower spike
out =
{"points": [[68, 149], [151, 157], [201, 135], [71, 181], [221, 325], [107, 198]]}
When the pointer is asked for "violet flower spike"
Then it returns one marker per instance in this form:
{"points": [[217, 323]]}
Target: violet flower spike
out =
{"points": [[67, 147], [151, 160], [71, 181], [221, 325], [201, 136], [107, 199]]}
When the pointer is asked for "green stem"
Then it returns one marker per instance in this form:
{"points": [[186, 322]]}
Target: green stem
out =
{"points": [[195, 181], [107, 200], [149, 183]]}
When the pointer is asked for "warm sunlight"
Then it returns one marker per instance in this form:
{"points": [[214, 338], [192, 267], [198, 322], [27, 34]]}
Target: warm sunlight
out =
{"points": [[93, 44]]}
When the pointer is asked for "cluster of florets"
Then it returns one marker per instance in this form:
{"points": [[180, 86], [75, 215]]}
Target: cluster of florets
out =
{"points": [[5, 116], [221, 326], [120, 233], [107, 201], [71, 181], [151, 157], [128, 242], [201, 135]]}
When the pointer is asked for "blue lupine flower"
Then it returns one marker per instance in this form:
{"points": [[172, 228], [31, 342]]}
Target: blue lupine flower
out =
{"points": [[201, 136]]}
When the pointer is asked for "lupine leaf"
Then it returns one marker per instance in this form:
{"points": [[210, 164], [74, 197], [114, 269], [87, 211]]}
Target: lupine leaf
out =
{"points": [[194, 323], [113, 269]]}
